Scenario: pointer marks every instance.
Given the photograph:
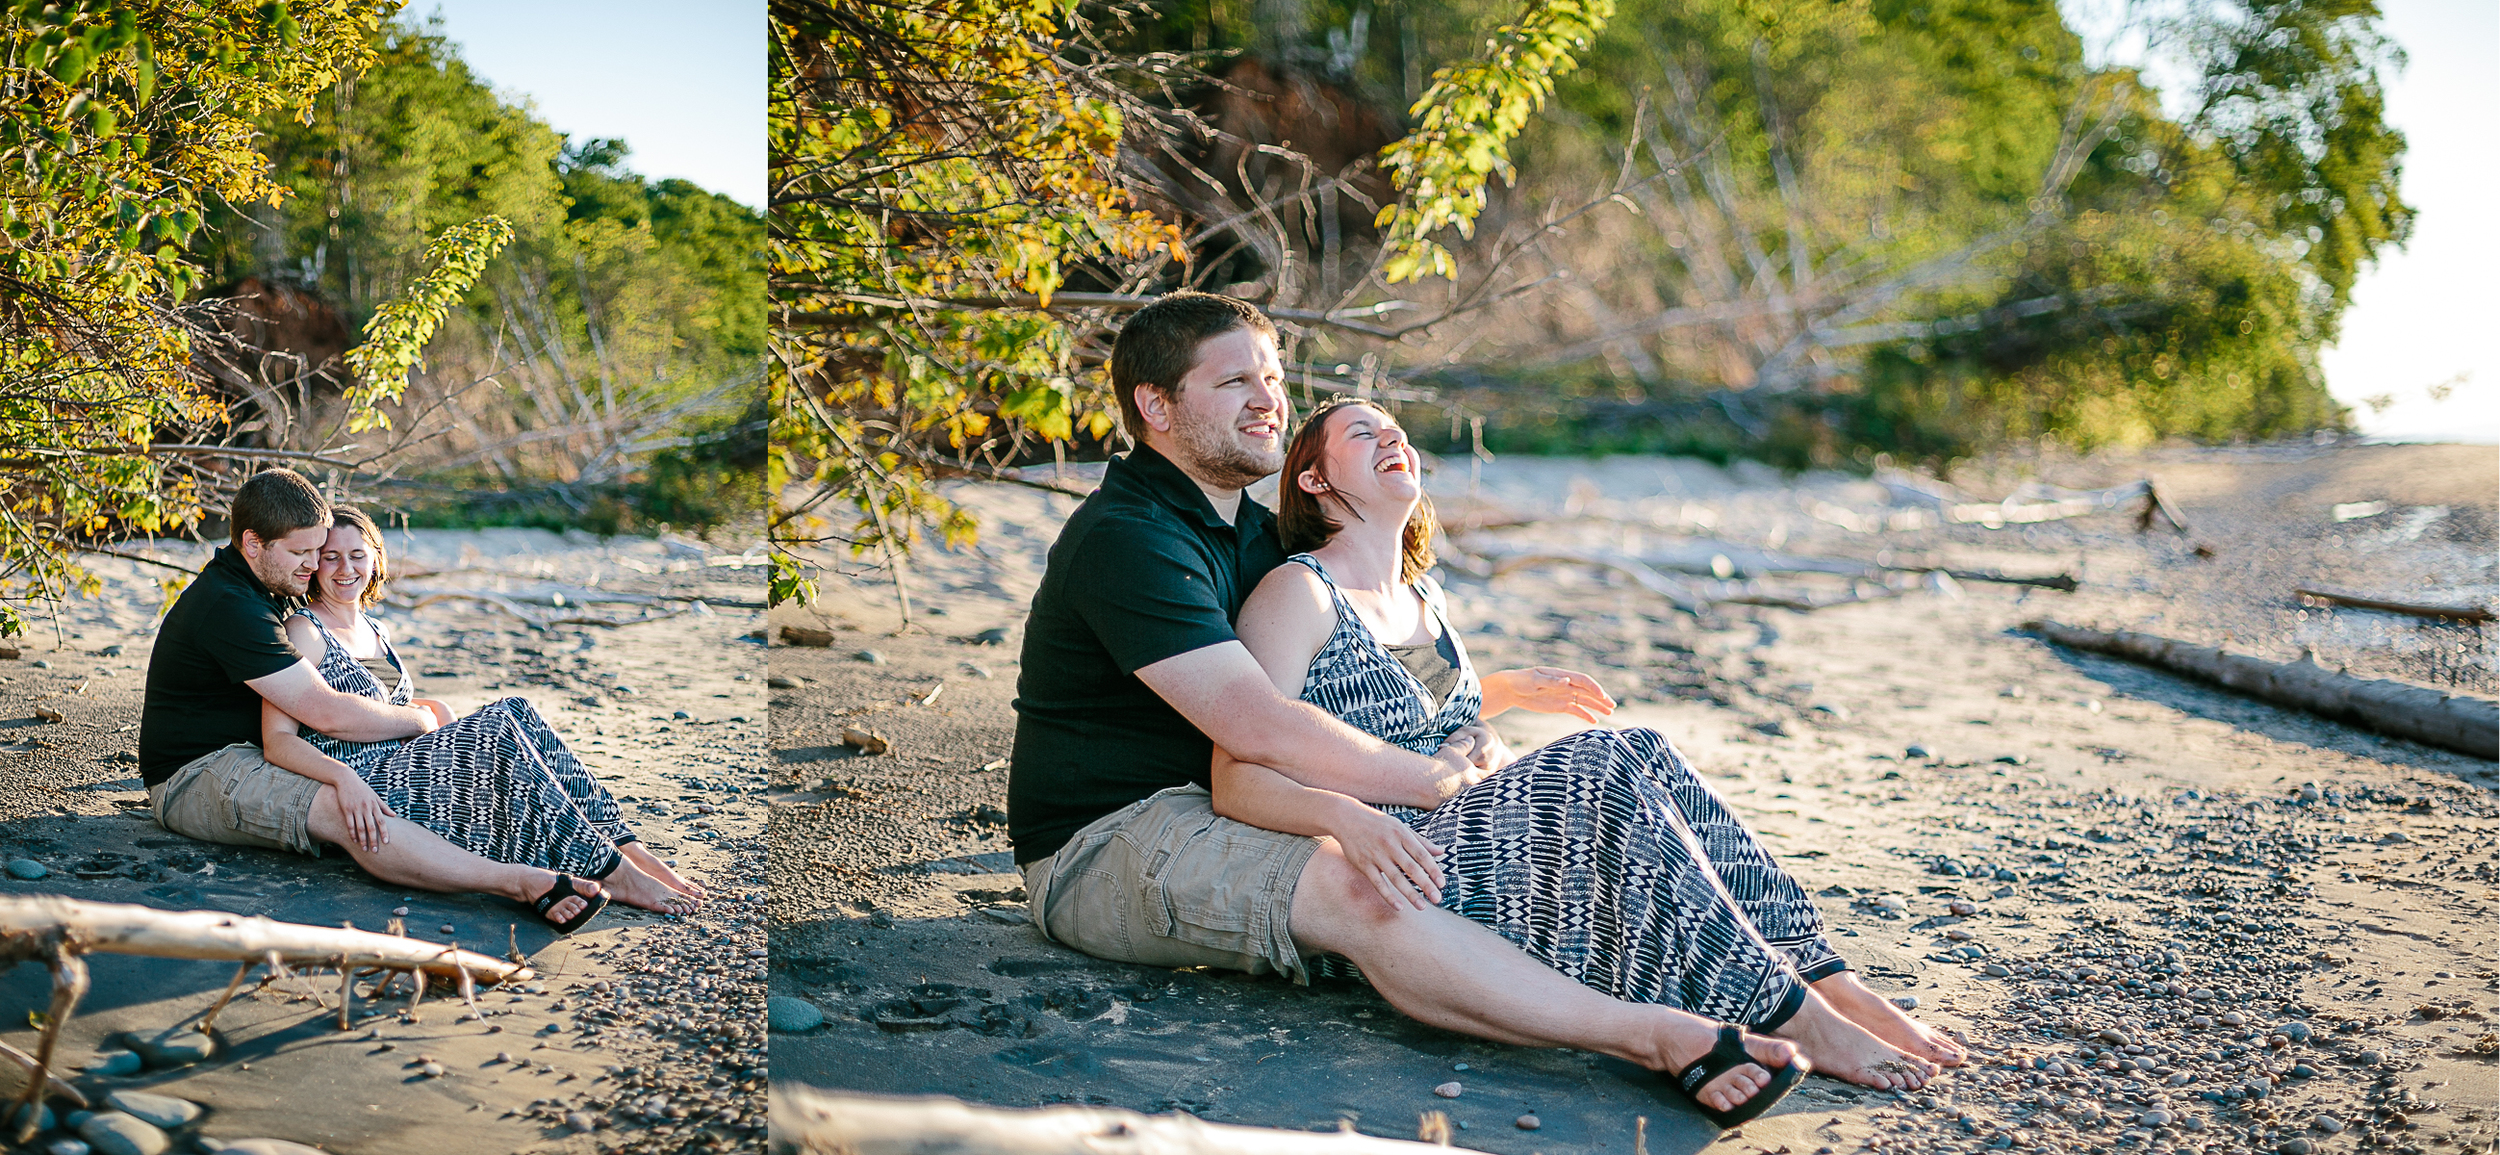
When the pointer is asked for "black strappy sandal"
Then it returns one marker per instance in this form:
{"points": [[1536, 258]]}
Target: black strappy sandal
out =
{"points": [[1728, 1055], [563, 889]]}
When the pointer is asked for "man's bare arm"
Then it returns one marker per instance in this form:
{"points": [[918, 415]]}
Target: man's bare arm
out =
{"points": [[1223, 691], [299, 690]]}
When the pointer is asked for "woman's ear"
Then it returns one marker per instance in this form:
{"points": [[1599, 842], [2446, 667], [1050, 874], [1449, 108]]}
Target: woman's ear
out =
{"points": [[1309, 482]]}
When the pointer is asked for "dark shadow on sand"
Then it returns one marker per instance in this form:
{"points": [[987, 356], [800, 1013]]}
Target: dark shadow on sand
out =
{"points": [[994, 1014]]}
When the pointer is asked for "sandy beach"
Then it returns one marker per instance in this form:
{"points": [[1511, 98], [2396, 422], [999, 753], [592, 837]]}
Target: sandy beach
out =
{"points": [[645, 1027], [2164, 917]]}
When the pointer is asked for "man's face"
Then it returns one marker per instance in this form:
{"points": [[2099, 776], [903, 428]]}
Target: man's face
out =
{"points": [[286, 565], [1228, 416]]}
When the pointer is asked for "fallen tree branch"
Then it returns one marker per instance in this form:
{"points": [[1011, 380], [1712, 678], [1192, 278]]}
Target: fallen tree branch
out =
{"points": [[2466, 725], [806, 1121], [2460, 613], [121, 928]]}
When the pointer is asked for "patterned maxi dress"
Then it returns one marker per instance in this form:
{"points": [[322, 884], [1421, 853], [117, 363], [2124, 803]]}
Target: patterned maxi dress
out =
{"points": [[497, 783], [1603, 854]]}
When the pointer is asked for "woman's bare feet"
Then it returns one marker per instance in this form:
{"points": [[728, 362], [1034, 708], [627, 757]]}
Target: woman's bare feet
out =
{"points": [[1688, 1037], [653, 866], [1848, 1052], [1877, 1014], [632, 887]]}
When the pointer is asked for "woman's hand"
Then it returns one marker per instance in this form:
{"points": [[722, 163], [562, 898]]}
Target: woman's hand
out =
{"points": [[1546, 690], [441, 711], [1398, 861], [364, 812]]}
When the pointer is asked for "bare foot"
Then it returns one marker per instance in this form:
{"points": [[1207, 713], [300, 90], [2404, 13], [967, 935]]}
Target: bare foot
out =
{"points": [[634, 888], [1847, 1051], [651, 865], [1688, 1037], [1877, 1014]]}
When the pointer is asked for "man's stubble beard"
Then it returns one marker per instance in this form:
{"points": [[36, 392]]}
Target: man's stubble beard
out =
{"points": [[1215, 455], [282, 582]]}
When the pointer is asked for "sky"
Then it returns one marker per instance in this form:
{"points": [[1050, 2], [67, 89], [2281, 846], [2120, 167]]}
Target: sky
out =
{"points": [[681, 82]]}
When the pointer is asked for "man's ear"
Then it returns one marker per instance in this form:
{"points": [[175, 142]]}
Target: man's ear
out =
{"points": [[1155, 406], [250, 545]]}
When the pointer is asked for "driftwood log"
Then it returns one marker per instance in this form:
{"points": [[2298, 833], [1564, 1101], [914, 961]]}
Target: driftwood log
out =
{"points": [[2464, 724], [2459, 613], [806, 1121], [121, 928]]}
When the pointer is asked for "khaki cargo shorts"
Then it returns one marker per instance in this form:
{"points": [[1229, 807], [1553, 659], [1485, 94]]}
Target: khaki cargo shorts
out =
{"points": [[1166, 882], [238, 797]]}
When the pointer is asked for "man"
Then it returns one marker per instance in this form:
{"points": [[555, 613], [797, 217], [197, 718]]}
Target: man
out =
{"points": [[1131, 672], [222, 649]]}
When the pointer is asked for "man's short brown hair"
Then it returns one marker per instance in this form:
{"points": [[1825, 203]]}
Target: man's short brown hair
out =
{"points": [[1159, 345], [275, 503]]}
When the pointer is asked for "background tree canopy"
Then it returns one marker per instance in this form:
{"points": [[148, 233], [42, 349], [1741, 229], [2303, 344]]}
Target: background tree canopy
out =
{"points": [[604, 370], [1809, 233]]}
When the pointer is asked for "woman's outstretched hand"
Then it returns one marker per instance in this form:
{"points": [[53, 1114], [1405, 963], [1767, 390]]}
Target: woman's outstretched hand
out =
{"points": [[1398, 861], [1546, 690], [364, 812]]}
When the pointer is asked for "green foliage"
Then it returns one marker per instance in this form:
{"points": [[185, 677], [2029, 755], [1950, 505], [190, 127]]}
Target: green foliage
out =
{"points": [[923, 152], [124, 123], [396, 336], [1464, 125], [621, 311]]}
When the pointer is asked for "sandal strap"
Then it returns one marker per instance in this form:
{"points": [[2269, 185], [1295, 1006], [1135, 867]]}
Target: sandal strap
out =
{"points": [[563, 889], [1726, 1055]]}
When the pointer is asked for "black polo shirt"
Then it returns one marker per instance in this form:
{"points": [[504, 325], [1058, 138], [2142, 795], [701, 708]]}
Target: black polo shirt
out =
{"points": [[226, 629], [1142, 571]]}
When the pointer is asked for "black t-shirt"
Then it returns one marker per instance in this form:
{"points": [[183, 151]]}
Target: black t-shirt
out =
{"points": [[225, 630], [1144, 570]]}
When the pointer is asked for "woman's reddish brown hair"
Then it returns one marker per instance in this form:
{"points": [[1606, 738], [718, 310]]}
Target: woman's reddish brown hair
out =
{"points": [[1305, 525]]}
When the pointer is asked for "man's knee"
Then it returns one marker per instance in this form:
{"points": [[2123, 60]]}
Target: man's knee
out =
{"points": [[324, 820]]}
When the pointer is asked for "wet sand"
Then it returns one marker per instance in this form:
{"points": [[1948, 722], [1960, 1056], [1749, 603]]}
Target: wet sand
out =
{"points": [[2138, 852], [637, 1007]]}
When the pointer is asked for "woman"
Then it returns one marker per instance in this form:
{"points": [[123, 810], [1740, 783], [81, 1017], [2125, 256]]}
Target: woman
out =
{"points": [[1603, 854], [497, 783]]}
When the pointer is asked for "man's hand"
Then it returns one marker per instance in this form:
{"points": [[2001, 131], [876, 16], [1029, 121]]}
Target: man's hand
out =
{"points": [[1457, 756], [1398, 861], [363, 810]]}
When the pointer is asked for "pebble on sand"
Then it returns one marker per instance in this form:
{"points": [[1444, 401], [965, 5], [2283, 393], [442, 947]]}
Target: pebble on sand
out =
{"points": [[399, 912], [1906, 1002], [43, 1116], [2327, 1123], [27, 869], [787, 1015], [581, 1122], [264, 1147], [180, 1046], [2294, 1146], [113, 1062], [114, 1133], [1529, 1123], [66, 1146], [153, 1109], [1449, 1090]]}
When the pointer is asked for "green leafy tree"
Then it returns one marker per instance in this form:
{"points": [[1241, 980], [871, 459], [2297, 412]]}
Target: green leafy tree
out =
{"points": [[119, 124], [966, 196]]}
